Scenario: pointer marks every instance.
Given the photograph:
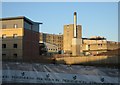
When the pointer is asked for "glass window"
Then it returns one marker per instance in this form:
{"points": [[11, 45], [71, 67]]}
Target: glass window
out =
{"points": [[15, 26], [15, 55], [14, 45], [3, 45], [3, 54], [88, 47]]}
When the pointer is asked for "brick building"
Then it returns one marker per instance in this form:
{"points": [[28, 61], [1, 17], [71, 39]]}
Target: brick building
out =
{"points": [[20, 38]]}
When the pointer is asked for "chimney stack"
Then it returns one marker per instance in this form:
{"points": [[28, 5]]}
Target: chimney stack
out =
{"points": [[75, 25]]}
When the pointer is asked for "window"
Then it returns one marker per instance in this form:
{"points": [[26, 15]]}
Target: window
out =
{"points": [[4, 26], [14, 35], [88, 47], [15, 55], [100, 45], [3, 45], [14, 45], [3, 54], [15, 26], [3, 36], [67, 26]]}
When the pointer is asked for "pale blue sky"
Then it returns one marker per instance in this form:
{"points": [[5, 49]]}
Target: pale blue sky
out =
{"points": [[96, 18]]}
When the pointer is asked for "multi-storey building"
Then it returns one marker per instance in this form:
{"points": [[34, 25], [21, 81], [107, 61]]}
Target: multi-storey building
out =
{"points": [[20, 38], [69, 35], [97, 45], [53, 39]]}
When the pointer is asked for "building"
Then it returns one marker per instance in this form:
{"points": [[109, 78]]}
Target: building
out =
{"points": [[52, 49], [74, 44], [68, 35], [20, 38], [53, 39], [96, 45], [42, 48], [72, 38], [47, 48]]}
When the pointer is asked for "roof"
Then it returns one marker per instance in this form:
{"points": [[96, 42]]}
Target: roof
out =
{"points": [[20, 17], [97, 38]]}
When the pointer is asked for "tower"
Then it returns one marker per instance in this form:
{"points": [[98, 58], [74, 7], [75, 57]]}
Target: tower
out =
{"points": [[75, 40], [72, 37]]}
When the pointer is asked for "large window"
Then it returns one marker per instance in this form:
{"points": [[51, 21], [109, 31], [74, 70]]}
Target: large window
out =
{"points": [[3, 45]]}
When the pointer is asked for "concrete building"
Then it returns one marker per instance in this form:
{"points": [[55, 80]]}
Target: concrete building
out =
{"points": [[72, 38], [20, 38], [74, 44], [52, 49], [53, 39], [47, 48], [96, 45]]}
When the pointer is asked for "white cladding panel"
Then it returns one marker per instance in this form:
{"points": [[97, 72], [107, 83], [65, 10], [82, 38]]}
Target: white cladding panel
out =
{"points": [[18, 76]]}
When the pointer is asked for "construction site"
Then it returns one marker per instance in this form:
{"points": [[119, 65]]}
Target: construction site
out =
{"points": [[31, 57]]}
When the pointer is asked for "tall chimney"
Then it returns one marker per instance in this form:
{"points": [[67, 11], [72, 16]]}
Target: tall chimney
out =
{"points": [[75, 25], [75, 40]]}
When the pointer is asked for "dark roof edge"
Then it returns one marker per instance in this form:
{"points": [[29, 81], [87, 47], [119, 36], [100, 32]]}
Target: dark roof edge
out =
{"points": [[9, 18], [20, 17]]}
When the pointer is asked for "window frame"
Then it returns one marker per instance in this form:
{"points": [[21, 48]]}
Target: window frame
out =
{"points": [[15, 26], [15, 45], [4, 45]]}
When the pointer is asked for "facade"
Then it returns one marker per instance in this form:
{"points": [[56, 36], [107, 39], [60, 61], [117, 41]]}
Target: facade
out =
{"points": [[97, 45], [20, 38], [52, 39], [69, 35], [47, 48], [51, 48]]}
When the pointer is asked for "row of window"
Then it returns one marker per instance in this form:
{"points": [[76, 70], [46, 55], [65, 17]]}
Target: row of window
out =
{"points": [[59, 48], [15, 55], [53, 49], [54, 37], [53, 40], [4, 36], [14, 26], [14, 45], [99, 45]]}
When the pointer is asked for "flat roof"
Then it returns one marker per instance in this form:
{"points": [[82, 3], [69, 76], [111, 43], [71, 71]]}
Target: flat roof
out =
{"points": [[20, 17]]}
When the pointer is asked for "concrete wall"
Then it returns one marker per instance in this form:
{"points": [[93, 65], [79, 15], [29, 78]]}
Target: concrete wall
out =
{"points": [[112, 45], [88, 60]]}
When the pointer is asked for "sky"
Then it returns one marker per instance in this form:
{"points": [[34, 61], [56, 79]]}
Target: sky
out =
{"points": [[96, 18]]}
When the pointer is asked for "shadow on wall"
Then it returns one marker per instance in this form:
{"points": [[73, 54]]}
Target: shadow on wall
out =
{"points": [[90, 60], [110, 58]]}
